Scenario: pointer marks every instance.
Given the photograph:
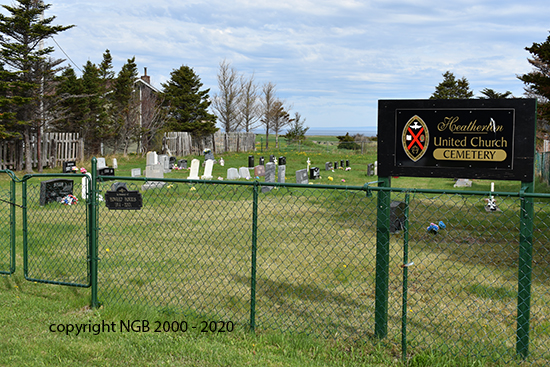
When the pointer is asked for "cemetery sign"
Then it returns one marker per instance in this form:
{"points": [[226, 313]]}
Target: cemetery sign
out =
{"points": [[490, 139]]}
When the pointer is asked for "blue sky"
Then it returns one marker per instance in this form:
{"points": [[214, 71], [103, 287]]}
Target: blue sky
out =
{"points": [[330, 60]]}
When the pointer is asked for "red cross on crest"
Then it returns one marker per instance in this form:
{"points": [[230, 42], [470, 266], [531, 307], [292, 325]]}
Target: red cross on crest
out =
{"points": [[415, 138]]}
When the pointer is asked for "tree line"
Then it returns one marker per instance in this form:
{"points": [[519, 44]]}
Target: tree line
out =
{"points": [[39, 93]]}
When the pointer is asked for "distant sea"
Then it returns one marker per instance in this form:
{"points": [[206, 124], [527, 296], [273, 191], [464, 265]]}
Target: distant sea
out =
{"points": [[335, 131]]}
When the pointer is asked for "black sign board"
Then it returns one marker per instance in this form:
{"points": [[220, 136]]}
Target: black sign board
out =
{"points": [[490, 139], [68, 166], [55, 190], [122, 199]]}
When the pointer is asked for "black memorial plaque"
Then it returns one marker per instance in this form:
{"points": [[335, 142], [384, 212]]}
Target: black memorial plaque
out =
{"points": [[123, 199], [68, 166]]}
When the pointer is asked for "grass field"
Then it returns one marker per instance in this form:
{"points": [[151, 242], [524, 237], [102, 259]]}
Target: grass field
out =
{"points": [[186, 257]]}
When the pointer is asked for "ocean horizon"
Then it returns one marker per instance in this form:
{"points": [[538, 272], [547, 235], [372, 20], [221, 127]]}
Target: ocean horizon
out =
{"points": [[335, 131]]}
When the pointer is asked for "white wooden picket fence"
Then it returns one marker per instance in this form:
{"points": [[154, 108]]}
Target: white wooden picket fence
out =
{"points": [[183, 144], [56, 148]]}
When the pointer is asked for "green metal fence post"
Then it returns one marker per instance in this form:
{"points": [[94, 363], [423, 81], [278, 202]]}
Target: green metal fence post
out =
{"points": [[12, 226], [524, 270], [93, 250], [253, 256], [382, 259], [405, 280]]}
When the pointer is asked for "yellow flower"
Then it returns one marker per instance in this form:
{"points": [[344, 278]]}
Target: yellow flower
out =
{"points": [[107, 250], [192, 189], [330, 178]]}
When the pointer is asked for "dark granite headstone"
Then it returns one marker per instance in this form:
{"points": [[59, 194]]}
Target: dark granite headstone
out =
{"points": [[182, 164], [209, 155], [314, 173], [250, 161], [301, 176], [68, 166], [55, 190], [262, 161], [328, 166], [171, 162], [106, 171], [347, 162], [342, 163], [272, 158], [282, 161], [335, 164]]}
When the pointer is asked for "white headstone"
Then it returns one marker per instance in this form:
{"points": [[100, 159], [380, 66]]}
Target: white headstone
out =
{"points": [[101, 163], [463, 182], [194, 175], [233, 174], [208, 170], [85, 180], [154, 171], [136, 172], [115, 163], [152, 158], [244, 172]]}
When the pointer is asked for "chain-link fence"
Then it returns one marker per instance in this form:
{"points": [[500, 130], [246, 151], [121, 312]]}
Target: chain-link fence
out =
{"points": [[7, 227], [309, 258]]}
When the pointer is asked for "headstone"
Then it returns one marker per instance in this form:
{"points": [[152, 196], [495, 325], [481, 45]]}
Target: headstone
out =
{"points": [[85, 182], [259, 171], [335, 165], [463, 182], [208, 170], [328, 166], [171, 162], [272, 158], [262, 161], [250, 161], [194, 175], [370, 169], [244, 172], [182, 164], [115, 163], [101, 163], [376, 168], [208, 155], [342, 163], [269, 175], [55, 190], [397, 216], [281, 174], [136, 172], [282, 161], [106, 171], [347, 162], [154, 171], [164, 161], [116, 185], [314, 173], [152, 158], [301, 176], [233, 174], [68, 166]]}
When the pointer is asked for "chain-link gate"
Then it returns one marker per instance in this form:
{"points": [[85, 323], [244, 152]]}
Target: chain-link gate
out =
{"points": [[56, 229], [7, 225]]}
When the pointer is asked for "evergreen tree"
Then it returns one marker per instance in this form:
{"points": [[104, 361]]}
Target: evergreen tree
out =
{"points": [[451, 88], [297, 131], [488, 93], [188, 105], [347, 142], [537, 82], [21, 34]]}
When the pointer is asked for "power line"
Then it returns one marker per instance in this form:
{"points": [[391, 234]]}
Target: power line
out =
{"points": [[68, 57]]}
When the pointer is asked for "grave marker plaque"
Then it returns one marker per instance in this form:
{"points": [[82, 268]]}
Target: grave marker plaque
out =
{"points": [[123, 199], [68, 166], [301, 176]]}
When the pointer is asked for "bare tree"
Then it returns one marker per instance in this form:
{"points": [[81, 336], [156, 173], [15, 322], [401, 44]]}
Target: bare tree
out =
{"points": [[268, 104], [249, 108], [280, 119], [153, 118], [226, 102]]}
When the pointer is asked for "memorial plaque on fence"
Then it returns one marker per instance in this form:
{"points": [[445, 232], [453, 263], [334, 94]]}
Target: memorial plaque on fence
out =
{"points": [[55, 190], [488, 139], [123, 199]]}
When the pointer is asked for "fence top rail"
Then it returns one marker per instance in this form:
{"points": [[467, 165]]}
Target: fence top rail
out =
{"points": [[367, 187]]}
